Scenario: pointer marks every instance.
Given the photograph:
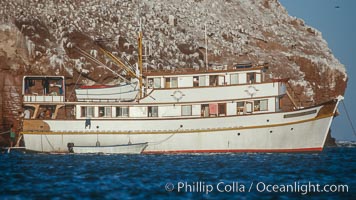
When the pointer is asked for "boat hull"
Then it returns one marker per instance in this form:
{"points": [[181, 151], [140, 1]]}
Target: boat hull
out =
{"points": [[114, 149], [115, 93], [299, 131]]}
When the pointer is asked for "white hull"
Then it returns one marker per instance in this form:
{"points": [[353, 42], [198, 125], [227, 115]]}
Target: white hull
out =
{"points": [[213, 111], [303, 130]]}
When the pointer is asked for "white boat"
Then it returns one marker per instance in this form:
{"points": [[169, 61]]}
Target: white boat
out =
{"points": [[113, 149], [125, 92], [213, 111], [232, 109]]}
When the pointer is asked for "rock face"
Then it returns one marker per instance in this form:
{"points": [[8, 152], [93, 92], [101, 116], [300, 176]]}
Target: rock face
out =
{"points": [[44, 37]]}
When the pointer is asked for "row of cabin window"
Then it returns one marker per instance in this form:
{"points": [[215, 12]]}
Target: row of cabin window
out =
{"points": [[249, 107], [172, 82], [207, 110], [106, 111]]}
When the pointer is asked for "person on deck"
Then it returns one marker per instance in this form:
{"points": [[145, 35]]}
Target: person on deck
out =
{"points": [[27, 114], [48, 114], [41, 115], [12, 136], [87, 123]]}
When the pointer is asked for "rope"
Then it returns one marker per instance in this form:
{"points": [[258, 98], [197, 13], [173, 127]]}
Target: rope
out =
{"points": [[4, 132], [49, 142], [349, 118], [159, 142]]}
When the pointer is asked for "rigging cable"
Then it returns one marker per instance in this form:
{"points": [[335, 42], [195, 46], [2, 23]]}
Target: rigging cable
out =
{"points": [[80, 74], [349, 118]]}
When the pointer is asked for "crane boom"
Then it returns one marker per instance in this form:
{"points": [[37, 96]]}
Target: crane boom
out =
{"points": [[119, 62]]}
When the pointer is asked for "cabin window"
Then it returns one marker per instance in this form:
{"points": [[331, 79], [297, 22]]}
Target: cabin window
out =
{"points": [[104, 111], [222, 109], [258, 77], [167, 83], [87, 111], [264, 105], [174, 82], [213, 80], [154, 82], [260, 105], [186, 110], [202, 80], [221, 80], [157, 82], [199, 81], [195, 81], [171, 82], [122, 111], [150, 83], [152, 111], [280, 103], [234, 79], [240, 107], [251, 77]]}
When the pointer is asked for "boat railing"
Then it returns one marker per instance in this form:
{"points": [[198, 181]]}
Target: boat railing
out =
{"points": [[42, 98]]}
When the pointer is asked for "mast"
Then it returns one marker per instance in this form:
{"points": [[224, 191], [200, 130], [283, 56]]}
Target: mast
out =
{"points": [[140, 58], [206, 50]]}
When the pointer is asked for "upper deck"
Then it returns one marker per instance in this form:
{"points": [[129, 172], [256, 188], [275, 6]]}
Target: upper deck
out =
{"points": [[189, 78], [43, 89]]}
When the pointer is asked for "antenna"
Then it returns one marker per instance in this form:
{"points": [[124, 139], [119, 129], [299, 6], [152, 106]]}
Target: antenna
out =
{"points": [[139, 40]]}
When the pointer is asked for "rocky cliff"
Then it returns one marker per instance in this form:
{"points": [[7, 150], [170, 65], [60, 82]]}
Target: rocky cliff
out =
{"points": [[45, 37]]}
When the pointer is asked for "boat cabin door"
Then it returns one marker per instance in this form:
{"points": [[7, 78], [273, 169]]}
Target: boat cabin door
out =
{"points": [[205, 110], [249, 107], [168, 83]]}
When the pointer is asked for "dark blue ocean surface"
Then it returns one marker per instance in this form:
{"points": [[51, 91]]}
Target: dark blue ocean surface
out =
{"points": [[199, 176]]}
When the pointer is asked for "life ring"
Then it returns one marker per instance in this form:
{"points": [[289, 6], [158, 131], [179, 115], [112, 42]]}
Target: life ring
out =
{"points": [[251, 90], [178, 95]]}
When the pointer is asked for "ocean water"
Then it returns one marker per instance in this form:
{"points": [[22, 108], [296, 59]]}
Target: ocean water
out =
{"points": [[182, 176]]}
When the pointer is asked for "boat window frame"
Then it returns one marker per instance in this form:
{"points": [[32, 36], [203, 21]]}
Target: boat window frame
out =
{"points": [[222, 109], [168, 82], [154, 82], [257, 105], [249, 75], [152, 111], [84, 111], [196, 81], [240, 109], [121, 107], [105, 109], [237, 76], [190, 111]]}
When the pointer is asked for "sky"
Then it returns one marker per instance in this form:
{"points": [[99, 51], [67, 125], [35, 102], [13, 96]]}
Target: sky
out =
{"points": [[336, 19]]}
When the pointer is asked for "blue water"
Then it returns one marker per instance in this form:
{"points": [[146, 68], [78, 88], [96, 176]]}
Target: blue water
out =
{"points": [[44, 176]]}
